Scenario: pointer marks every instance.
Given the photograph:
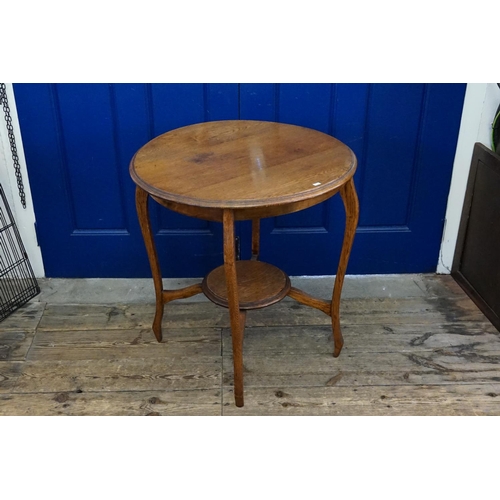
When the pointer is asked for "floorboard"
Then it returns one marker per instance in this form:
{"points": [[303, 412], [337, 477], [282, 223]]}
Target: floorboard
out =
{"points": [[425, 349]]}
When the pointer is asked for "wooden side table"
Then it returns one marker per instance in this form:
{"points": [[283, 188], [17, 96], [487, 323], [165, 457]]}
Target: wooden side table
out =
{"points": [[239, 170]]}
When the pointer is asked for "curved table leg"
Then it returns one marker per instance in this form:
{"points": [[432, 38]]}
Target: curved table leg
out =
{"points": [[237, 317], [351, 205], [141, 201]]}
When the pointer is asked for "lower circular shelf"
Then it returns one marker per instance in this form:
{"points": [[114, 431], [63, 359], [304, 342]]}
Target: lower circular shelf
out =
{"points": [[259, 284]]}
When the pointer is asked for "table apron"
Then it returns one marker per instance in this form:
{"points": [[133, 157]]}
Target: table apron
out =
{"points": [[244, 213]]}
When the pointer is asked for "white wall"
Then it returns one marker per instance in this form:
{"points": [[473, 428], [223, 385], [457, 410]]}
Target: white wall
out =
{"points": [[25, 218], [480, 105]]}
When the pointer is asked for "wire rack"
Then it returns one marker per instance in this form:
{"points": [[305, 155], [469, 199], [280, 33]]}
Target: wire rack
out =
{"points": [[17, 281]]}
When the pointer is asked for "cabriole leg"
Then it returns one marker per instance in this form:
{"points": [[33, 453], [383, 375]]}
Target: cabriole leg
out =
{"points": [[141, 201], [351, 205]]}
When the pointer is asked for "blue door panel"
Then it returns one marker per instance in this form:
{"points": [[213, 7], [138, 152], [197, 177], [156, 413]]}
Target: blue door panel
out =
{"points": [[312, 218], [94, 184], [79, 140], [434, 165], [222, 101], [349, 121], [315, 248], [391, 149], [167, 220], [307, 105], [258, 102], [176, 105]]}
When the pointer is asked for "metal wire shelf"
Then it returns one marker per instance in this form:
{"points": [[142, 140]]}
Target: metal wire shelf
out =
{"points": [[17, 281]]}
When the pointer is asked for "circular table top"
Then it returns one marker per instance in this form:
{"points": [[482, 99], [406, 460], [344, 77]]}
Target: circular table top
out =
{"points": [[242, 164]]}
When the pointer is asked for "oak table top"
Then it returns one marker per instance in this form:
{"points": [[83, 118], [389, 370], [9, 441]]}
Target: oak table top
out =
{"points": [[240, 164], [242, 169]]}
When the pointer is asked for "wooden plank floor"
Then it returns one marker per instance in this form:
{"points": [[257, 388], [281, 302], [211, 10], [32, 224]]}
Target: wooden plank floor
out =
{"points": [[430, 354]]}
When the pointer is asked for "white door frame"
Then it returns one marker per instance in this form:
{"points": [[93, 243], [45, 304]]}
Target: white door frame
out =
{"points": [[480, 103], [24, 217]]}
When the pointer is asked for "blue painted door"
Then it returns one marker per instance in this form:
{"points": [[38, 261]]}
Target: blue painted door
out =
{"points": [[79, 139]]}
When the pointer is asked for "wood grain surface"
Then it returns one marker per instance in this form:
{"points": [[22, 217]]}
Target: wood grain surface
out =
{"points": [[434, 354], [242, 164], [259, 284]]}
